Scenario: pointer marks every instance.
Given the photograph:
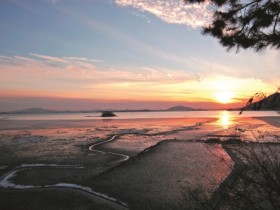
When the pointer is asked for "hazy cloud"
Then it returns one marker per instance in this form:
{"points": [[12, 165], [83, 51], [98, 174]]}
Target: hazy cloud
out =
{"points": [[82, 59], [78, 67], [49, 58], [173, 11], [54, 1]]}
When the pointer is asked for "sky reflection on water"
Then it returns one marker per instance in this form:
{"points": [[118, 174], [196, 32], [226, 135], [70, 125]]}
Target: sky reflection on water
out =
{"points": [[138, 115]]}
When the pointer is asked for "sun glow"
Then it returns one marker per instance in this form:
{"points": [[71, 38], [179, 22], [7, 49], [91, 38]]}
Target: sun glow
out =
{"points": [[224, 90], [224, 97]]}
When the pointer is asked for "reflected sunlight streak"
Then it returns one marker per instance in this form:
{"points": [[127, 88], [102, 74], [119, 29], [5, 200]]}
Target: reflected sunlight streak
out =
{"points": [[225, 119]]}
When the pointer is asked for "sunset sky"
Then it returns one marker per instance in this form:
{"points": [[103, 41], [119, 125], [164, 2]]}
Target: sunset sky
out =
{"points": [[123, 54]]}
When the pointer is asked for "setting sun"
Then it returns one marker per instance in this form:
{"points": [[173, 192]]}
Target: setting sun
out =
{"points": [[223, 90], [224, 97]]}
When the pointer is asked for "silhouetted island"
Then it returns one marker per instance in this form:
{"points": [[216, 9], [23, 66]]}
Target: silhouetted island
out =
{"points": [[107, 114]]}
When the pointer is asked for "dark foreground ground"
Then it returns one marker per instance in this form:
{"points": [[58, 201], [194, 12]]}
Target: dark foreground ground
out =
{"points": [[172, 163]]}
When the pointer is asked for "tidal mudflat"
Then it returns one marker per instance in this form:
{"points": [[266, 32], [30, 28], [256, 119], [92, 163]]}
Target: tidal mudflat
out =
{"points": [[121, 164]]}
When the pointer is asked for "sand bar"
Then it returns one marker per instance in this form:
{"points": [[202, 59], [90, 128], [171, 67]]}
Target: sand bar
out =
{"points": [[160, 177]]}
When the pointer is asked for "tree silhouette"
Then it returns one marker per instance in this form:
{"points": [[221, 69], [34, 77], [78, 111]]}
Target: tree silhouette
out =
{"points": [[245, 23]]}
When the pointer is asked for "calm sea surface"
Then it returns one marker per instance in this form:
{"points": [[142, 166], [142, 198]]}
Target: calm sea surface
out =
{"points": [[138, 115]]}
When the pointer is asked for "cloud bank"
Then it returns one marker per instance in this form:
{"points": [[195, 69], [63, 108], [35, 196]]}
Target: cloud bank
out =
{"points": [[40, 75], [173, 11], [44, 75]]}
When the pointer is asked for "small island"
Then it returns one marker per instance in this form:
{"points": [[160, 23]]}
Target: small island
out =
{"points": [[107, 114]]}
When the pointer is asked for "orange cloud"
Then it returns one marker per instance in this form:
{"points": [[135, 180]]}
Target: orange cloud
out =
{"points": [[41, 75], [176, 12]]}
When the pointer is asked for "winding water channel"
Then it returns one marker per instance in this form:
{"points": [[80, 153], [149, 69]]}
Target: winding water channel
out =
{"points": [[7, 183]]}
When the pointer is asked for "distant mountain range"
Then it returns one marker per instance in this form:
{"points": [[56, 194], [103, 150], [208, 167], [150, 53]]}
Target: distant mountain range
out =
{"points": [[48, 111], [180, 108], [38, 111], [271, 102], [35, 110]]}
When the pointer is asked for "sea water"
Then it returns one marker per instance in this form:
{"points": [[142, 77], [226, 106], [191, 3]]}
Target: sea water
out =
{"points": [[138, 115]]}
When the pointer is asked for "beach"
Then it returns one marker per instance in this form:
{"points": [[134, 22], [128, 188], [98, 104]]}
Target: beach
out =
{"points": [[139, 105], [147, 163]]}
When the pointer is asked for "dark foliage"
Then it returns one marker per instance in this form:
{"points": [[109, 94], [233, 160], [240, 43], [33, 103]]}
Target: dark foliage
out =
{"points": [[256, 186], [245, 23]]}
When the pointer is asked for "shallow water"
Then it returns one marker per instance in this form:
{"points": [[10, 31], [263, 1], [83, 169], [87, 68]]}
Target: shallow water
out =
{"points": [[137, 115]]}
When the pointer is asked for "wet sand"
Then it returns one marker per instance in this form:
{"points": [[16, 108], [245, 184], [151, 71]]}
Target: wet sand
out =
{"points": [[53, 199], [274, 121], [160, 177], [175, 159]]}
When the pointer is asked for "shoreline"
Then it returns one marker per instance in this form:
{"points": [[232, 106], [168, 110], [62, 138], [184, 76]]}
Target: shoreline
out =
{"points": [[48, 124]]}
